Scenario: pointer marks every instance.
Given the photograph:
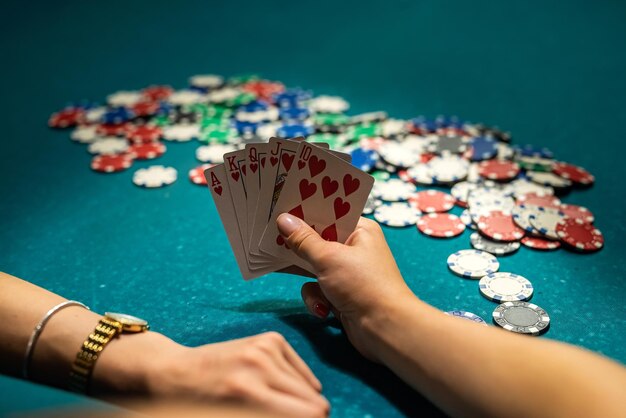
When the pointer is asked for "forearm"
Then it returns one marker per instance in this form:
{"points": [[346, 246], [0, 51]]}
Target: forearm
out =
{"points": [[473, 370], [122, 368]]}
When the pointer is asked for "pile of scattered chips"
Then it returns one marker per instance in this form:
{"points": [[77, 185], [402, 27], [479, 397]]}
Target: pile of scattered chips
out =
{"points": [[509, 193]]}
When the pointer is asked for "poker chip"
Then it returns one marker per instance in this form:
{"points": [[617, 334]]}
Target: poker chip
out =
{"points": [[180, 133], [521, 317], [494, 247], [370, 205], [461, 192], [537, 243], [393, 190], [213, 153], [472, 264], [108, 145], [393, 128], [85, 134], [155, 93], [428, 201], [499, 226], [196, 174], [147, 151], [440, 225], [124, 98], [579, 235], [111, 163], [328, 104], [185, 97], [521, 216], [398, 155], [577, 212], [483, 148], [449, 144], [397, 214], [419, 174], [448, 168], [577, 175], [467, 219], [539, 200], [505, 287], [544, 220], [155, 176], [548, 179], [533, 151], [67, 118], [206, 81], [143, 134], [364, 160], [467, 316], [522, 187], [498, 170]]}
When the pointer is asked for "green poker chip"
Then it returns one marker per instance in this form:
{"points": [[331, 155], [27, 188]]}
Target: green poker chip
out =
{"points": [[218, 136], [161, 120], [243, 78], [334, 141], [366, 130], [332, 119], [240, 100], [213, 123]]}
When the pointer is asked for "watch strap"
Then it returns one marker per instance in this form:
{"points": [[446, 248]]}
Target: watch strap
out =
{"points": [[87, 356]]}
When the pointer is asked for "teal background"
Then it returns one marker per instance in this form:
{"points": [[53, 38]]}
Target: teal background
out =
{"points": [[551, 72]]}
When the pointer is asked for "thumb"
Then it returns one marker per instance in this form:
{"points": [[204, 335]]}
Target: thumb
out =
{"points": [[301, 238]]}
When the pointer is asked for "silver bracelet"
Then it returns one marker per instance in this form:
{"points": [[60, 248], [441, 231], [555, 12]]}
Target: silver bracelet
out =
{"points": [[39, 328]]}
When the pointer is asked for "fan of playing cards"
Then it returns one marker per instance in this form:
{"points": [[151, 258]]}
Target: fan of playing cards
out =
{"points": [[256, 184]]}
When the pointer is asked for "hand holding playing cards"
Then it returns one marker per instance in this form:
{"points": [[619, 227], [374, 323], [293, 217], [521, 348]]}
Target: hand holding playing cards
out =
{"points": [[262, 371], [355, 279]]}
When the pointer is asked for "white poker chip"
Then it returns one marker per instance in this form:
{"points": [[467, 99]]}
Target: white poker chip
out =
{"points": [[448, 168], [108, 145], [393, 127], [418, 143], [544, 220], [267, 115], [505, 287], [494, 247], [548, 179], [472, 264], [85, 134], [473, 174], [186, 97], [469, 316], [393, 190], [467, 219], [420, 174], [213, 153], [208, 81], [268, 130], [505, 152], [370, 205], [398, 214], [181, 132], [124, 98], [522, 187], [95, 114], [461, 190], [222, 95], [521, 216], [155, 176], [328, 104], [397, 154]]}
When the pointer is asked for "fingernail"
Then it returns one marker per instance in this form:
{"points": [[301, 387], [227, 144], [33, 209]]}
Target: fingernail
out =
{"points": [[320, 310], [287, 224]]}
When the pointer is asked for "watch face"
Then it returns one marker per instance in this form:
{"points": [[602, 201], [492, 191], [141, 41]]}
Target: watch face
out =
{"points": [[126, 319]]}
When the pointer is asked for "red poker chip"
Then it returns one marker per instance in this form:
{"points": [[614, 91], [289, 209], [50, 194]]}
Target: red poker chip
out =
{"points": [[539, 200], [371, 143], [498, 169], [540, 244], [156, 93], [109, 129], [440, 225], [573, 173], [66, 118], [111, 163], [144, 134], [426, 157], [429, 201], [404, 176], [147, 108], [577, 212], [499, 226], [579, 234], [264, 89], [147, 151], [196, 175]]}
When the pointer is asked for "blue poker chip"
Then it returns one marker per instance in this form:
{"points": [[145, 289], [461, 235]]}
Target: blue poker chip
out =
{"points": [[533, 151], [245, 128], [364, 159], [117, 115], [165, 108], [254, 106], [449, 122], [483, 148], [82, 104], [293, 130], [292, 97], [199, 89], [467, 315], [294, 113], [421, 122]]}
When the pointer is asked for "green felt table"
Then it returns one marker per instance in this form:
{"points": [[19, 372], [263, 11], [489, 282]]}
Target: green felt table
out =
{"points": [[551, 73]]}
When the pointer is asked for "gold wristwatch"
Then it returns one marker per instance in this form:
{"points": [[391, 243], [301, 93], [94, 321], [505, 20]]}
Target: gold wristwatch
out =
{"points": [[110, 326]]}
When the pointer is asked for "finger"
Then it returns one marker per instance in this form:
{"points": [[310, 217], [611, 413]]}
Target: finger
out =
{"points": [[301, 238], [293, 385], [300, 366], [290, 406], [314, 300]]}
